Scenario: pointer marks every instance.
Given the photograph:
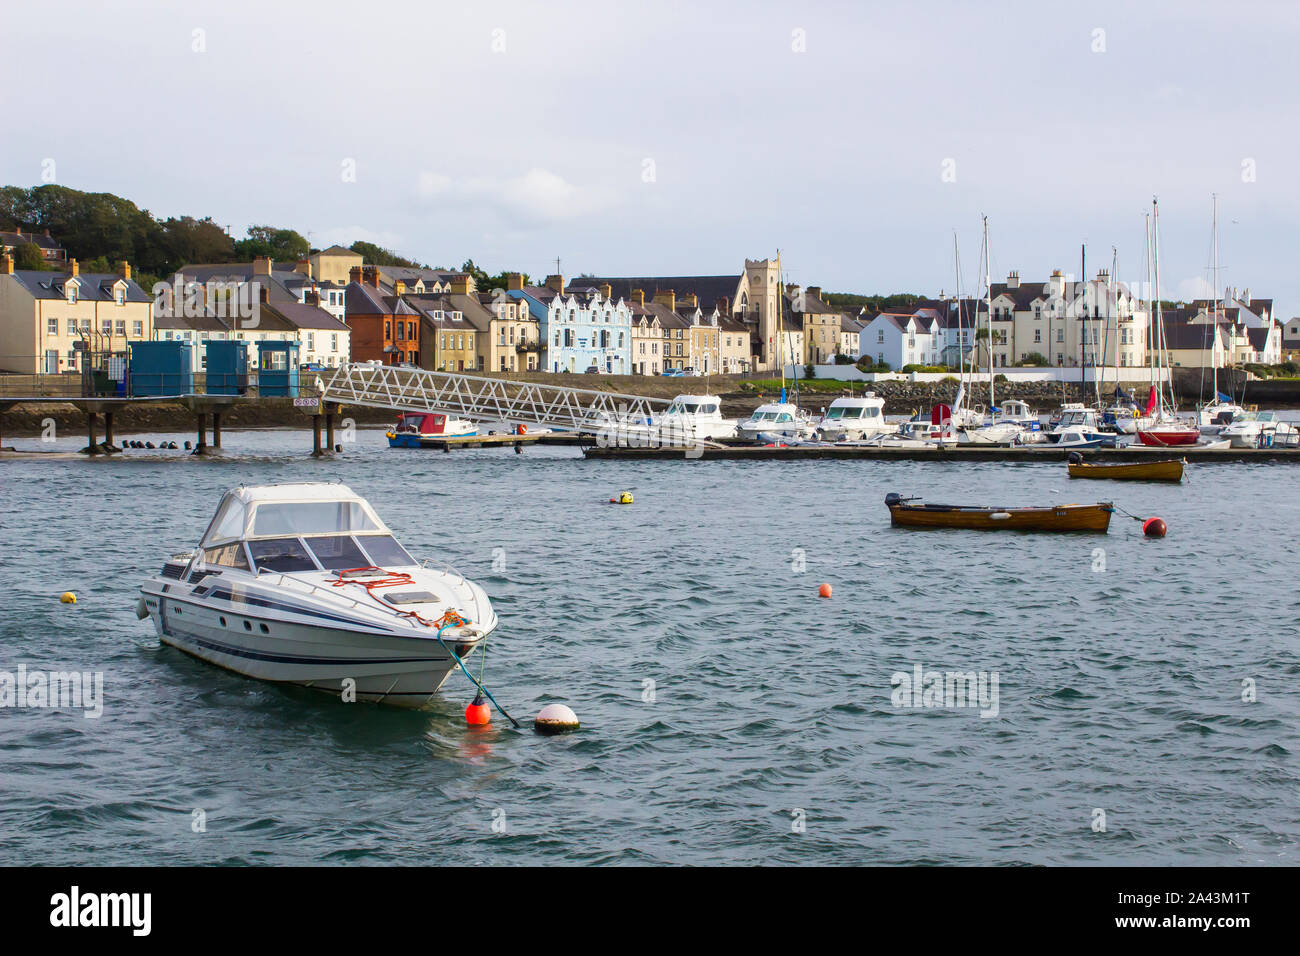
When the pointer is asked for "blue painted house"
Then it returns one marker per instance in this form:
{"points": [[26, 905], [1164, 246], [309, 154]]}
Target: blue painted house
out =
{"points": [[580, 327]]}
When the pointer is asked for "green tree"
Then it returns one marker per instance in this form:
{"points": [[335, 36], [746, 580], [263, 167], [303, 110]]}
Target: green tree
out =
{"points": [[373, 255], [282, 245], [28, 256]]}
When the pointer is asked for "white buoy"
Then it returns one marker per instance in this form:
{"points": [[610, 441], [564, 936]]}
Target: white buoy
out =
{"points": [[555, 719]]}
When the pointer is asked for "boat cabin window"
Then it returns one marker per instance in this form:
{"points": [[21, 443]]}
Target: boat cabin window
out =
{"points": [[229, 522], [385, 552], [311, 517], [784, 417], [337, 552], [280, 554], [843, 412], [226, 556]]}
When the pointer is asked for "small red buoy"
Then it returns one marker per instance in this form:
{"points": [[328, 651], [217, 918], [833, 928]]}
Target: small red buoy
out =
{"points": [[1154, 527], [824, 591], [478, 713]]}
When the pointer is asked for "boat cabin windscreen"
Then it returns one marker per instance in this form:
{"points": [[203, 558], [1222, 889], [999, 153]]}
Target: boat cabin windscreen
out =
{"points": [[840, 411], [311, 517], [333, 552]]}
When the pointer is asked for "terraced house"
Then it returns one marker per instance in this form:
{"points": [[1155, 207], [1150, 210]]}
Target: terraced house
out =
{"points": [[48, 320], [581, 328], [384, 327]]}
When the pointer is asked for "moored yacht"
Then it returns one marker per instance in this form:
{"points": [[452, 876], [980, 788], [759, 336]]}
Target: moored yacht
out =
{"points": [[776, 419], [855, 418], [1079, 427], [1260, 430], [693, 416], [304, 584]]}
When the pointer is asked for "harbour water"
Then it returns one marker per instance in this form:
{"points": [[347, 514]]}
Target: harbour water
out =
{"points": [[1147, 702]]}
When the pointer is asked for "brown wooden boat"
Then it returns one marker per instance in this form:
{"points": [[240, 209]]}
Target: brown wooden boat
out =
{"points": [[1166, 469], [1094, 518]]}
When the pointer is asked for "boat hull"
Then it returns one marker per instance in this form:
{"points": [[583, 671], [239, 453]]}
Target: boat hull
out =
{"points": [[1157, 438], [394, 670], [1059, 518], [1168, 470]]}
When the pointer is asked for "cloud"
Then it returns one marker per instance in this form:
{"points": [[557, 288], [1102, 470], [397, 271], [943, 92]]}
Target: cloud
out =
{"points": [[538, 195]]}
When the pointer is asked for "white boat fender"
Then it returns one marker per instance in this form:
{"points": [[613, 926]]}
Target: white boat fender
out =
{"points": [[141, 609], [999, 516]]}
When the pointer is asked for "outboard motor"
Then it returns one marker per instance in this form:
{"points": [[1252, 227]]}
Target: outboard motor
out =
{"points": [[892, 499], [1075, 458]]}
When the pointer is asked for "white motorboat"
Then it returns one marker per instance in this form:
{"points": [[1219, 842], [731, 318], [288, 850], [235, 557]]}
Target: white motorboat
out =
{"points": [[1079, 427], [1213, 417], [304, 584], [855, 418], [775, 419], [692, 416], [1260, 430]]}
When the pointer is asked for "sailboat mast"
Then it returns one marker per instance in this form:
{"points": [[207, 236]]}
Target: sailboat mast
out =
{"points": [[1214, 272], [988, 294], [780, 322], [1160, 325]]}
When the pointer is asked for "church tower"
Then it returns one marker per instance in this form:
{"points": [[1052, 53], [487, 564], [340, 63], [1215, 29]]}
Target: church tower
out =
{"points": [[764, 287]]}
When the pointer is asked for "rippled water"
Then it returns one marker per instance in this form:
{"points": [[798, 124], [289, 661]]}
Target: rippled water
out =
{"points": [[1119, 690]]}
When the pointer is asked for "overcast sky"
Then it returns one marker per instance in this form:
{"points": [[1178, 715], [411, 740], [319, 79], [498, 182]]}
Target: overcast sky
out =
{"points": [[676, 138]]}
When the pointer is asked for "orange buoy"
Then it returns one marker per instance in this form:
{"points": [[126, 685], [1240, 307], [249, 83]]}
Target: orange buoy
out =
{"points": [[1154, 527], [478, 713], [523, 429], [824, 591]]}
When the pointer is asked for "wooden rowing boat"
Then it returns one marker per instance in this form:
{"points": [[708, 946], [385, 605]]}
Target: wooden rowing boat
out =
{"points": [[1167, 469], [1095, 518]]}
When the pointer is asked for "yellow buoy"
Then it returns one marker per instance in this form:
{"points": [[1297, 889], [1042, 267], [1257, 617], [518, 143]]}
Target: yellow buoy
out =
{"points": [[625, 498], [68, 597]]}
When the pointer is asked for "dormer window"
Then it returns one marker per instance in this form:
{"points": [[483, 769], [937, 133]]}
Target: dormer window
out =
{"points": [[119, 295], [72, 293]]}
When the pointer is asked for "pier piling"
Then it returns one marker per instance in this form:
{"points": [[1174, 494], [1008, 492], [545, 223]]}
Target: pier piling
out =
{"points": [[201, 446], [216, 429], [92, 447]]}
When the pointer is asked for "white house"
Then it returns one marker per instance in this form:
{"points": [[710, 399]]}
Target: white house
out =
{"points": [[901, 339]]}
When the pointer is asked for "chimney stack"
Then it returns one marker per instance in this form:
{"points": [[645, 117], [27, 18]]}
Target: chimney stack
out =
{"points": [[126, 270], [514, 281], [691, 299], [1013, 280], [667, 297], [7, 265], [303, 268], [399, 287], [555, 283], [73, 267], [354, 274], [263, 293], [262, 266], [370, 275], [311, 297], [458, 284], [723, 306], [638, 296], [815, 291]]}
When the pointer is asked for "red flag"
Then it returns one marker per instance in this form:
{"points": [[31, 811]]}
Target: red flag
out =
{"points": [[1151, 401]]}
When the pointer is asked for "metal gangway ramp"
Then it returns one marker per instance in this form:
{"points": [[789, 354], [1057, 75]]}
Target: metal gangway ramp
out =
{"points": [[483, 399]]}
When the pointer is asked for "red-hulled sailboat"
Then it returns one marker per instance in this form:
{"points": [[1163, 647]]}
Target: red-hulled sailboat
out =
{"points": [[1165, 428]]}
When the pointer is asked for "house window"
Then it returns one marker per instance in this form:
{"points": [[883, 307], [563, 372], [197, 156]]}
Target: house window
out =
{"points": [[880, 337], [106, 326], [52, 326], [120, 327], [137, 328], [387, 329], [1038, 335], [120, 295], [72, 295], [1060, 335], [334, 342], [72, 326]]}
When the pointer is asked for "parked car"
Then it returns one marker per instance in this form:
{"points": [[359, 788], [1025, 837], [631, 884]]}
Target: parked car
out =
{"points": [[692, 371], [312, 367], [592, 370], [672, 372]]}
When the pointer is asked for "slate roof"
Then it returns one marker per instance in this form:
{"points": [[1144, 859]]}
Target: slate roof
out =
{"points": [[709, 289], [39, 239], [94, 286]]}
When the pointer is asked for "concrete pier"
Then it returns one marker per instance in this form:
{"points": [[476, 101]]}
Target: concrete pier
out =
{"points": [[1050, 455]]}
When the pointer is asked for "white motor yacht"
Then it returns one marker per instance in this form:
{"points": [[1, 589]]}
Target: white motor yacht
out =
{"points": [[304, 584], [1213, 417], [855, 418], [777, 420], [1079, 427], [693, 416], [1260, 430]]}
